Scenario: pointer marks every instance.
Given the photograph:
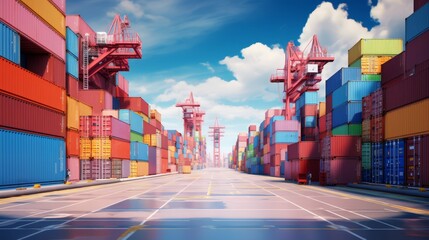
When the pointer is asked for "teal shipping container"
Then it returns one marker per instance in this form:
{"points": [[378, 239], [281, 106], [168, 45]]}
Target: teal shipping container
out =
{"points": [[341, 77], [132, 118], [306, 98], [10, 44], [27, 159], [72, 65], [139, 151], [353, 91], [346, 113], [72, 42]]}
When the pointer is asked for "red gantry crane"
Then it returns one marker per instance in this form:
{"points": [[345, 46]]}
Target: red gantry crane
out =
{"points": [[216, 131], [111, 51], [301, 73]]}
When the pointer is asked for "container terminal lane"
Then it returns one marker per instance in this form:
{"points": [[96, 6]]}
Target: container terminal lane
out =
{"points": [[212, 204]]}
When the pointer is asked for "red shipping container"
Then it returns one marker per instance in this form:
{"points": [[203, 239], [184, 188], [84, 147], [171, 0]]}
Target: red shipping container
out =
{"points": [[48, 67], [107, 126], [267, 169], [403, 91], [120, 93], [277, 148], [85, 128], [309, 110], [137, 104], [419, 3], [377, 129], [304, 150], [377, 103], [252, 128], [393, 68], [164, 142], [417, 51], [18, 81], [122, 83], [98, 99], [342, 146], [72, 146], [72, 86], [120, 149], [18, 17], [322, 124], [417, 161], [164, 153], [20, 114], [308, 132], [73, 164], [305, 166], [164, 165], [329, 103], [344, 170], [366, 107], [275, 160], [148, 128]]}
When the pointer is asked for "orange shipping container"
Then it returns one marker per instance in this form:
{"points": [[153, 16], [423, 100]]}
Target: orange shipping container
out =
{"points": [[84, 110], [322, 109], [407, 121], [133, 168], [85, 148], [105, 148], [72, 146], [72, 114], [142, 169], [18, 81]]}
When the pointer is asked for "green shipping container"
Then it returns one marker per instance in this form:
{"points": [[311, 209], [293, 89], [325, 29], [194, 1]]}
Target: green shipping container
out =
{"points": [[371, 77], [366, 155], [348, 129], [375, 47], [136, 137]]}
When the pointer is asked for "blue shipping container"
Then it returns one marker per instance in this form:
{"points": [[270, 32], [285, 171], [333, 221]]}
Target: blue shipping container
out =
{"points": [[132, 118], [72, 42], [139, 151], [27, 159], [10, 44], [353, 91], [306, 98], [72, 66], [176, 155], [116, 104], [394, 162], [310, 121], [377, 163], [417, 23], [282, 168], [341, 77], [349, 112], [284, 137]]}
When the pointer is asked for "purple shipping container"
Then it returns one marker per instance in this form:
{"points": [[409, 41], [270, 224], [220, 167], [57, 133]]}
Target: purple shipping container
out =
{"points": [[152, 160], [116, 168], [85, 169], [19, 114], [101, 169], [286, 125], [126, 168], [18, 17], [417, 51]]}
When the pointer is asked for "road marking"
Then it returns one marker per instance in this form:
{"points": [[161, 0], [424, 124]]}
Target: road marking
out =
{"points": [[209, 190], [343, 217]]}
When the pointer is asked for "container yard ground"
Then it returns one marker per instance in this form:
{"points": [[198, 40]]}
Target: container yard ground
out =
{"points": [[213, 204]]}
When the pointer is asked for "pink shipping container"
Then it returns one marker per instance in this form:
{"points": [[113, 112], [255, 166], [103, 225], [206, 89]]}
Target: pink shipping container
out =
{"points": [[20, 114], [101, 169], [73, 164], [98, 99], [344, 170], [283, 153], [60, 4], [116, 168], [304, 150], [266, 158], [108, 126], [417, 51], [269, 114], [126, 168], [286, 125], [79, 26], [18, 17], [288, 170], [122, 83], [252, 128]]}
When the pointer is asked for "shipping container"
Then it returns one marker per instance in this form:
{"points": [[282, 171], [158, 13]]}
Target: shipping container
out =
{"points": [[309, 110], [60, 5], [79, 26], [417, 52], [72, 86], [72, 42], [116, 168], [322, 109], [328, 103], [370, 65], [23, 115], [353, 91], [417, 23], [73, 164], [72, 114], [133, 168], [394, 162], [309, 122], [43, 161], [341, 77], [366, 107], [85, 148], [285, 137], [375, 47], [348, 129], [10, 44], [275, 171], [344, 170], [72, 65], [303, 150], [142, 169], [136, 137], [122, 84], [101, 169], [139, 151], [110, 112], [366, 130], [18, 81], [152, 160], [306, 99], [329, 123], [417, 161], [377, 164], [137, 104], [73, 143], [305, 166], [419, 3], [105, 148], [413, 120], [108, 126], [130, 117], [46, 66], [342, 146], [85, 169], [18, 16], [347, 113], [322, 124], [372, 77], [366, 162], [393, 68], [126, 168], [97, 99], [377, 129]]}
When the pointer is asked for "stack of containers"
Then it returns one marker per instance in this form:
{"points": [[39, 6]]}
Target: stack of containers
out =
{"points": [[32, 98], [321, 124], [366, 139], [285, 132], [240, 147], [164, 152], [306, 112], [266, 137], [122, 87], [173, 146], [305, 158], [252, 162], [406, 76], [377, 137], [275, 146]]}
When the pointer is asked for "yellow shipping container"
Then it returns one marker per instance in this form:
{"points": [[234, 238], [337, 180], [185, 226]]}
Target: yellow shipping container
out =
{"points": [[375, 47], [101, 148], [142, 168], [133, 168], [370, 64], [322, 109], [49, 13], [172, 148], [407, 121], [146, 139], [84, 110], [72, 114], [85, 148], [186, 169], [153, 140]]}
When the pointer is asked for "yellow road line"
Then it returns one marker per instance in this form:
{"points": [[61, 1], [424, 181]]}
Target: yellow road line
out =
{"points": [[209, 191], [129, 231]]}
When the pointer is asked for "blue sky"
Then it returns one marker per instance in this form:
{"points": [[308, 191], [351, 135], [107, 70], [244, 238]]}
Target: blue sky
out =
{"points": [[225, 51]]}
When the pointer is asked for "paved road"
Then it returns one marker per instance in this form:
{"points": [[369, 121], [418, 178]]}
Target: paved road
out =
{"points": [[216, 204]]}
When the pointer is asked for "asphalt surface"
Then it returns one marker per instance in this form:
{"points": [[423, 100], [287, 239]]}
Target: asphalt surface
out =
{"points": [[213, 204]]}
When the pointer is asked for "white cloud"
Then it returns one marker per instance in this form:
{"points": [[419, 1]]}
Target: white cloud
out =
{"points": [[338, 33], [137, 89], [208, 66], [128, 6]]}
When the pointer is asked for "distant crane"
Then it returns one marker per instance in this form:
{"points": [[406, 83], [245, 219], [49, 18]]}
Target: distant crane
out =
{"points": [[216, 132], [110, 51], [301, 73]]}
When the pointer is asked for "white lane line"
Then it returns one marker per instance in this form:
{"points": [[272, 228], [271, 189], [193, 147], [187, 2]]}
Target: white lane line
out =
{"points": [[83, 215], [133, 229], [343, 217], [342, 209], [312, 213]]}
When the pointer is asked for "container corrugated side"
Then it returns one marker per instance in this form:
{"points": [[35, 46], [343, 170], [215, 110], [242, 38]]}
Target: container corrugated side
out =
{"points": [[18, 81], [417, 52], [72, 114], [410, 120], [285, 137], [366, 162], [23, 115], [344, 146], [139, 151], [18, 17], [105, 148], [48, 67], [136, 137], [130, 117], [43, 161], [49, 13], [349, 112], [108, 126], [394, 162], [417, 161], [353, 91], [126, 168], [97, 99], [341, 77], [303, 150], [72, 143], [72, 42], [116, 168], [137, 104], [348, 129], [417, 23], [371, 77], [393, 68], [377, 47], [307, 98], [10, 44], [60, 4], [377, 164], [85, 148], [322, 109], [73, 164], [142, 169], [72, 65], [72, 86], [101, 168], [285, 125], [344, 170]]}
